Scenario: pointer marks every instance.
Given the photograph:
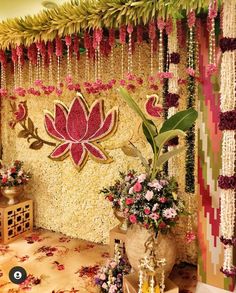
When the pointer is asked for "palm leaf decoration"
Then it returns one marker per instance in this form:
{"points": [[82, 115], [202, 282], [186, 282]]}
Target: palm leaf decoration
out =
{"points": [[76, 16]]}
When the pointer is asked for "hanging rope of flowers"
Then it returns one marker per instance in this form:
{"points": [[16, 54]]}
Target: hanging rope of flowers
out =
{"points": [[227, 179], [172, 97]]}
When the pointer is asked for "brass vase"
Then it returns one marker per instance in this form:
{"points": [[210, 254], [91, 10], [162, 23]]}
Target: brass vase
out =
{"points": [[12, 193], [123, 221], [135, 247]]}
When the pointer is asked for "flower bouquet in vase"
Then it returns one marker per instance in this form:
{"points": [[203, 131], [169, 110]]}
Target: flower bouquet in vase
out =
{"points": [[12, 181], [116, 194], [150, 200]]}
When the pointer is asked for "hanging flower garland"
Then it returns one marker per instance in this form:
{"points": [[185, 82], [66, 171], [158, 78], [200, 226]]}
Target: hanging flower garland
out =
{"points": [[190, 136], [122, 38], [212, 13], [3, 61], [227, 179], [172, 98]]}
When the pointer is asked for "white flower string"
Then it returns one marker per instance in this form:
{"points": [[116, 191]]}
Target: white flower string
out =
{"points": [[173, 88], [227, 106]]}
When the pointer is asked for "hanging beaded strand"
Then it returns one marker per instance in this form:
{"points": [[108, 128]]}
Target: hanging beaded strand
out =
{"points": [[130, 61], [111, 42], [3, 72], [122, 38], [68, 55], [139, 41], [152, 36], [77, 55], [19, 52], [87, 46], [161, 26], [212, 13], [14, 60], [58, 55], [39, 72], [50, 56]]}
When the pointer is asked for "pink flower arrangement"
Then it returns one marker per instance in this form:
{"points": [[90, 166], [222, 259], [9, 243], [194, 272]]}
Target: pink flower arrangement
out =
{"points": [[13, 175], [151, 203]]}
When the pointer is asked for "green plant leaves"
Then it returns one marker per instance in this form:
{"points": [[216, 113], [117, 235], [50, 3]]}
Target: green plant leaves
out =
{"points": [[166, 156], [164, 137], [182, 120]]}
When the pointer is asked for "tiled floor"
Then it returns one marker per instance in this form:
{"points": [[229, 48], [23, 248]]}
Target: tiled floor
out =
{"points": [[59, 264]]}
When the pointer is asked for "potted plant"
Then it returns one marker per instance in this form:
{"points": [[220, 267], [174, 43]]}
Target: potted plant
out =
{"points": [[152, 205], [12, 181]]}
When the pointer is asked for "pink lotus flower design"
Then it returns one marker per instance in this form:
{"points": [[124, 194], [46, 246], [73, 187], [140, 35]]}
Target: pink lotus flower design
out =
{"points": [[80, 130]]}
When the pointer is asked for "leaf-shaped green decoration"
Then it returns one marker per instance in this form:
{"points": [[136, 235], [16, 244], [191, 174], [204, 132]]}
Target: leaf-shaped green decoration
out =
{"points": [[133, 105], [23, 134], [182, 120], [164, 137], [30, 125], [36, 145], [166, 156]]}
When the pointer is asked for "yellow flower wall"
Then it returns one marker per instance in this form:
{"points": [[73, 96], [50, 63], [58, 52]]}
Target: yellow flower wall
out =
{"points": [[69, 201]]}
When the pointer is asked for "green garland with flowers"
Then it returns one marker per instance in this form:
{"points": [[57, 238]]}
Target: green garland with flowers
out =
{"points": [[78, 15]]}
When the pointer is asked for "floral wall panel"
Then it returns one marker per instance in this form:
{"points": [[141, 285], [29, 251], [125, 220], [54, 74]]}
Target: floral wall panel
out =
{"points": [[209, 163], [67, 200]]}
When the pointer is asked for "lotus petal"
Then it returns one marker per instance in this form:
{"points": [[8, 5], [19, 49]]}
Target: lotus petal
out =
{"points": [[60, 121], [79, 154], [77, 119], [95, 119], [97, 153], [50, 128], [108, 127], [152, 109], [60, 151]]}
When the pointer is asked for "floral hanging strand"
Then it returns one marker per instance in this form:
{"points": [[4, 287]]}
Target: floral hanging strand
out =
{"points": [[3, 61], [87, 46], [77, 55], [14, 60], [58, 55], [161, 27], [227, 179], [190, 136], [122, 38], [172, 98], [19, 52], [50, 56], [152, 36], [111, 41], [130, 29], [38, 70], [212, 13], [139, 41], [68, 53]]}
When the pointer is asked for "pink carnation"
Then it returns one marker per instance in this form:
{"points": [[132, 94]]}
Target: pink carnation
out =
{"points": [[129, 201], [133, 219], [147, 211], [137, 187]]}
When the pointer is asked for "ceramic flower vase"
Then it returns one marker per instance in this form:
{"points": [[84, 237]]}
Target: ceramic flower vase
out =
{"points": [[12, 193], [135, 246], [123, 221]]}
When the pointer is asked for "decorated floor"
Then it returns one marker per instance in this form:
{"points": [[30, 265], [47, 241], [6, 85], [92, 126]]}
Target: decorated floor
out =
{"points": [[58, 264]]}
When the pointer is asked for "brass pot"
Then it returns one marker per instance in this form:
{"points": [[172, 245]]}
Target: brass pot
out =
{"points": [[135, 246], [123, 221], [12, 193]]}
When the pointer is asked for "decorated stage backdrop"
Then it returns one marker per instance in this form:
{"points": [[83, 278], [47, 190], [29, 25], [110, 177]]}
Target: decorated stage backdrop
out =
{"points": [[73, 142]]}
